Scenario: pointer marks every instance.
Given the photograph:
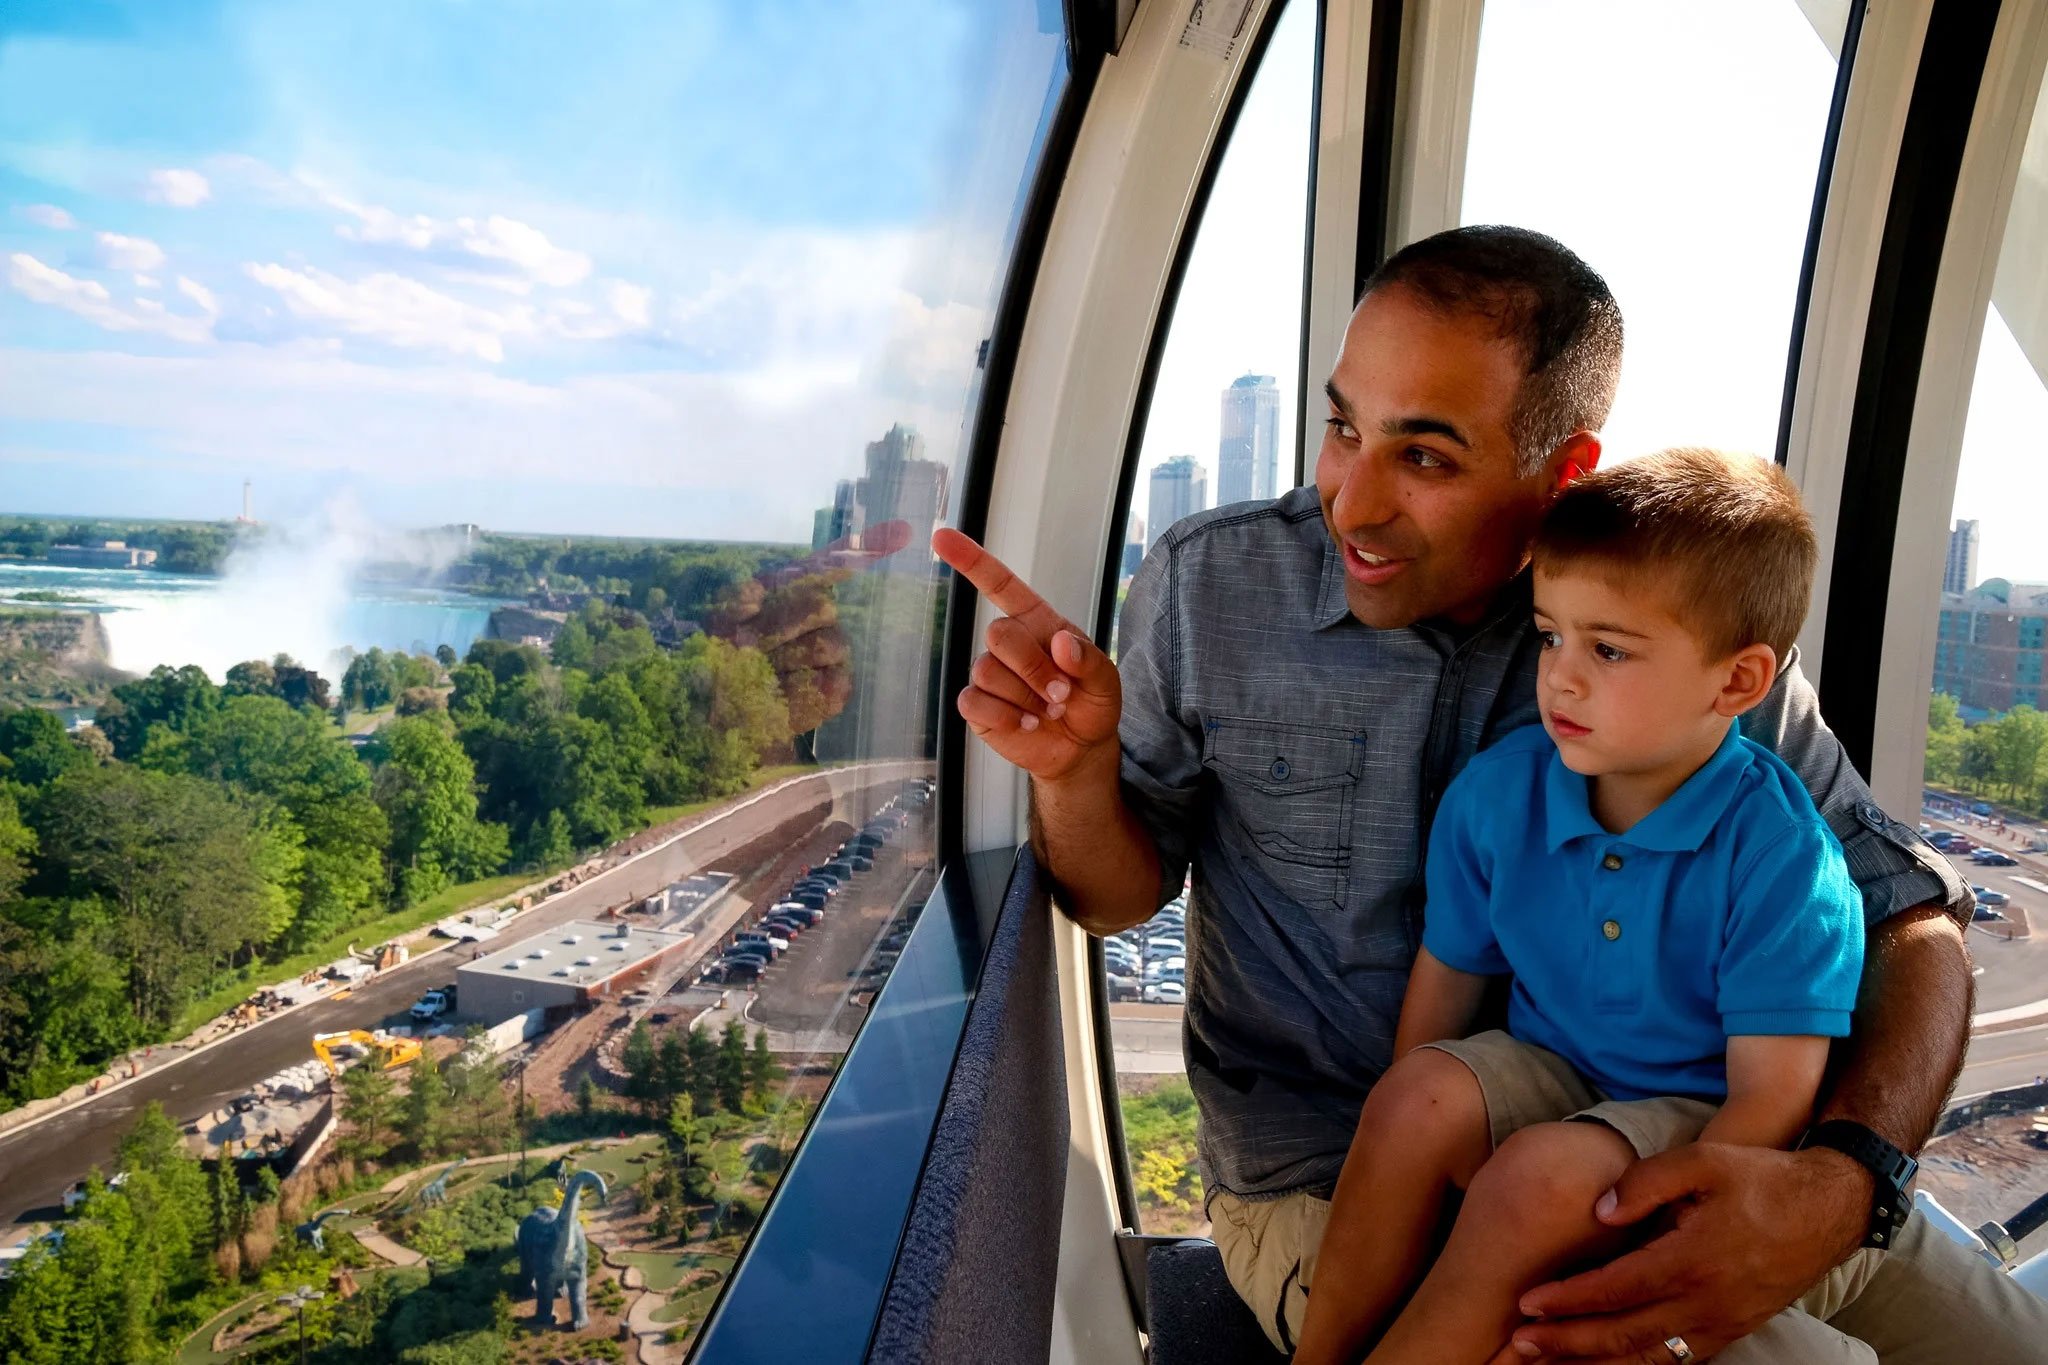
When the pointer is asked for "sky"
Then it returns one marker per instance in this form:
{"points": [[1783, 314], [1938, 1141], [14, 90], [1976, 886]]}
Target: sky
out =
{"points": [[630, 268], [641, 268]]}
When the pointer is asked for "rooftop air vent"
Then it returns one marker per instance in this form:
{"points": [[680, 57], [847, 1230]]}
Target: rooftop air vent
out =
{"points": [[538, 953], [618, 947], [561, 971], [573, 938], [513, 965], [586, 962]]}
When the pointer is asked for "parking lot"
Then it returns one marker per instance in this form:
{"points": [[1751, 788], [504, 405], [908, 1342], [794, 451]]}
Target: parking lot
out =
{"points": [[2012, 972]]}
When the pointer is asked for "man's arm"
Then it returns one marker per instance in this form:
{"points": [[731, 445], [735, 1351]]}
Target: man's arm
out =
{"points": [[1047, 699], [1755, 1228], [1097, 852]]}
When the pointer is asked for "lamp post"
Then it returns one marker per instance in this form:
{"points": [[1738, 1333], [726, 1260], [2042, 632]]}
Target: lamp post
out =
{"points": [[298, 1299]]}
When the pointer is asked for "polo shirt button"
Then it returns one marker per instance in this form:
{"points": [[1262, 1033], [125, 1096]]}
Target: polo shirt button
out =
{"points": [[1280, 770], [1612, 862], [1610, 930]]}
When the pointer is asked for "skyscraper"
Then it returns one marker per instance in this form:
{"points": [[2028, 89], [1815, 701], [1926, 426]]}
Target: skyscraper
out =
{"points": [[1248, 455], [902, 485], [1180, 488], [1961, 571]]}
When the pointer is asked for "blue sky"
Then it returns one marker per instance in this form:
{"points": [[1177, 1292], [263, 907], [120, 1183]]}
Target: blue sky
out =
{"points": [[637, 268]]}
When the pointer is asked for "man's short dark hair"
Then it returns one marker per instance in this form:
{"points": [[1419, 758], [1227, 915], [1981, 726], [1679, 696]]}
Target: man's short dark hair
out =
{"points": [[1544, 299]]}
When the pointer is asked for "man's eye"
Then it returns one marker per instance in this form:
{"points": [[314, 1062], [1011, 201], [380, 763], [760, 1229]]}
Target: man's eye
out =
{"points": [[1340, 428], [1609, 654], [1423, 458], [1550, 638]]}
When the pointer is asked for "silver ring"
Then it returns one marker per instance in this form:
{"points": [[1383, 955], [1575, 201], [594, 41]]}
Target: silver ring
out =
{"points": [[1680, 1352]]}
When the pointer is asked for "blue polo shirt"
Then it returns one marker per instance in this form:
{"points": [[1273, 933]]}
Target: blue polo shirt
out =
{"points": [[1728, 910]]}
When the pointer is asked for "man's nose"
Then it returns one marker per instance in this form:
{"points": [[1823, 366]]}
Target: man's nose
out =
{"points": [[1366, 497]]}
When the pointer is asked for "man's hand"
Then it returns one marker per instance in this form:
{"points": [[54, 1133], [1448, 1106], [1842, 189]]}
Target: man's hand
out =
{"points": [[1751, 1229], [1043, 696]]}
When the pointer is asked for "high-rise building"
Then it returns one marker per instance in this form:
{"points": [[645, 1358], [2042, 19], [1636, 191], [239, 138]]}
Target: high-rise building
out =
{"points": [[901, 485], [1134, 545], [1180, 488], [1248, 455], [1960, 575]]}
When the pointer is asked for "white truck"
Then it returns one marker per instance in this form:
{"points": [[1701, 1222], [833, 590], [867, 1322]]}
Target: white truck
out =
{"points": [[431, 1006]]}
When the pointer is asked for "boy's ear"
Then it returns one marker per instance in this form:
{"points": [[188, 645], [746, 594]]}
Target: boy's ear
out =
{"points": [[1576, 457], [1750, 672]]}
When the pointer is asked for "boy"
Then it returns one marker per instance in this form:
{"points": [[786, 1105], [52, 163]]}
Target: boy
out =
{"points": [[1683, 933]]}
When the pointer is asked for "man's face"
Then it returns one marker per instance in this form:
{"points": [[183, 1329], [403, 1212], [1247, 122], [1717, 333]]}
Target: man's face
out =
{"points": [[1417, 472]]}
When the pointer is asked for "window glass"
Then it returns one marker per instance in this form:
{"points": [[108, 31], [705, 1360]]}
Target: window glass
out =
{"points": [[1221, 429], [466, 482], [1676, 149], [1986, 792]]}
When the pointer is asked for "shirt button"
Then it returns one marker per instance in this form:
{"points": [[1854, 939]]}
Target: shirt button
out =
{"points": [[1612, 862], [1610, 930], [1280, 770]]}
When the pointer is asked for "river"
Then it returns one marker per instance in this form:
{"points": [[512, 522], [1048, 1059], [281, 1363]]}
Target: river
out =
{"points": [[156, 618]]}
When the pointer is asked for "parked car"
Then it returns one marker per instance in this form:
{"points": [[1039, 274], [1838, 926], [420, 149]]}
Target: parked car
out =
{"points": [[1166, 993], [1991, 857], [1122, 988], [1986, 896], [431, 1006], [861, 862], [810, 914], [774, 945], [842, 867], [1984, 913], [810, 898], [733, 970]]}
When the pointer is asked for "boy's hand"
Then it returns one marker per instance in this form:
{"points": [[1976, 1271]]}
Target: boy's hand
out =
{"points": [[1753, 1229], [1043, 696]]}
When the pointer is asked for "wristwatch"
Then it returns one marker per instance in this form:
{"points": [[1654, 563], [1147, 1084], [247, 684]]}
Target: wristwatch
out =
{"points": [[1892, 1168]]}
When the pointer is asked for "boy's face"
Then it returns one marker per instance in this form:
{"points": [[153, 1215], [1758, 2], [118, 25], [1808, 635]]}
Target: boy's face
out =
{"points": [[1624, 688]]}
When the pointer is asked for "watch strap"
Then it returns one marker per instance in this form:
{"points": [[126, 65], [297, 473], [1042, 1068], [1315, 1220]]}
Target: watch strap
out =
{"points": [[1891, 1168]]}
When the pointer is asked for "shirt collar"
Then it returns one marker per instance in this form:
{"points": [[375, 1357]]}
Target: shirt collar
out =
{"points": [[1680, 825]]}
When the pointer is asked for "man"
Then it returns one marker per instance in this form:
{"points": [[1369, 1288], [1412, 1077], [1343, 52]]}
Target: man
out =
{"points": [[1299, 680]]}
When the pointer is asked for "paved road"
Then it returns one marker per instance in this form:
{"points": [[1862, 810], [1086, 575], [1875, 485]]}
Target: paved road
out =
{"points": [[1998, 1061], [41, 1160]]}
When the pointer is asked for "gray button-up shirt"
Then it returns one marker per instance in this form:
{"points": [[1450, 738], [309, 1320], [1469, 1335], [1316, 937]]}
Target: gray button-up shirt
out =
{"points": [[1294, 757]]}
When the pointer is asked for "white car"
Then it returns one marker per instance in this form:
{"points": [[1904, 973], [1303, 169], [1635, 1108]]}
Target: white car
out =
{"points": [[430, 1006], [1166, 993], [1172, 969]]}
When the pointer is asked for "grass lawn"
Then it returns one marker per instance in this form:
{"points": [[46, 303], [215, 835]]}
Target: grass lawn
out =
{"points": [[691, 1304], [665, 1269], [616, 1163], [766, 777], [198, 1348]]}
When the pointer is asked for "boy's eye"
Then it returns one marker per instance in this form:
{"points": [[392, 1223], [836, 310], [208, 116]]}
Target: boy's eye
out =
{"points": [[1550, 638], [1609, 654]]}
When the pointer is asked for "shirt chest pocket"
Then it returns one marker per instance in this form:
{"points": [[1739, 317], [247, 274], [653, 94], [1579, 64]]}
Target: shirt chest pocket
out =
{"points": [[1289, 792]]}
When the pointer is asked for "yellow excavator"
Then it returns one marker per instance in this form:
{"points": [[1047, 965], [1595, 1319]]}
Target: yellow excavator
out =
{"points": [[393, 1051]]}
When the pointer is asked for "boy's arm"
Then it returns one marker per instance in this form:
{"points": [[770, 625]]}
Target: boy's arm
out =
{"points": [[1441, 1003], [1771, 1085]]}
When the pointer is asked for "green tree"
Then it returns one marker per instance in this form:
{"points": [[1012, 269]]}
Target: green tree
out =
{"points": [[1945, 738], [262, 746], [36, 749], [370, 681], [444, 654], [426, 1106], [672, 1073], [426, 786], [477, 1095], [2019, 746], [732, 1067], [188, 877], [762, 1072], [586, 1099], [641, 1062], [369, 1104], [170, 697]]}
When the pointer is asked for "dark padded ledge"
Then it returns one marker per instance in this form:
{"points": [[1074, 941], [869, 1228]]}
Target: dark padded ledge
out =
{"points": [[974, 1276], [1196, 1317]]}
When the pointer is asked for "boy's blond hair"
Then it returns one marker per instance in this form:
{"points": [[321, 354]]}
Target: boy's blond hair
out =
{"points": [[1724, 536]]}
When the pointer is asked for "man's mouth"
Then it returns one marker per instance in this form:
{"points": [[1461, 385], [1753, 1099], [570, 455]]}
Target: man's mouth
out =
{"points": [[1564, 727], [1371, 569]]}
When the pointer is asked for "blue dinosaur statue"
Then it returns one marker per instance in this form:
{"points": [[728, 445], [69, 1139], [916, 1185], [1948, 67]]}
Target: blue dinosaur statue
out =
{"points": [[312, 1234], [552, 1253], [435, 1191]]}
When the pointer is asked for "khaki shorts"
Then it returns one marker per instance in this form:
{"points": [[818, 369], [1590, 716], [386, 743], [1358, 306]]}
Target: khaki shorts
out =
{"points": [[1269, 1246]]}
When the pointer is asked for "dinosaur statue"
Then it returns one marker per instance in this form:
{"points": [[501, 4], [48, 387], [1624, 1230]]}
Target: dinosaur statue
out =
{"points": [[311, 1233], [435, 1191], [552, 1255]]}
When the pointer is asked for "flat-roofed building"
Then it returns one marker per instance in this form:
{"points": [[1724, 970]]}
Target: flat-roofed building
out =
{"points": [[573, 964]]}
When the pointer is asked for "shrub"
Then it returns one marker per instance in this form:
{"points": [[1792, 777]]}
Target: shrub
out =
{"points": [[227, 1262], [256, 1248]]}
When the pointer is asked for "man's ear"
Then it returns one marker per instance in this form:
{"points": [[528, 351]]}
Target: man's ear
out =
{"points": [[1576, 457], [1750, 672]]}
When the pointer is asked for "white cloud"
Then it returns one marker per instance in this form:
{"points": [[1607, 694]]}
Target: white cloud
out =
{"points": [[90, 300], [504, 244], [179, 188], [393, 309], [630, 303], [147, 282], [117, 252], [49, 216], [198, 293]]}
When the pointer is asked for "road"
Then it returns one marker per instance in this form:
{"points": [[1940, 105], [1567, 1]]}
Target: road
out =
{"points": [[1998, 1061], [42, 1159]]}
